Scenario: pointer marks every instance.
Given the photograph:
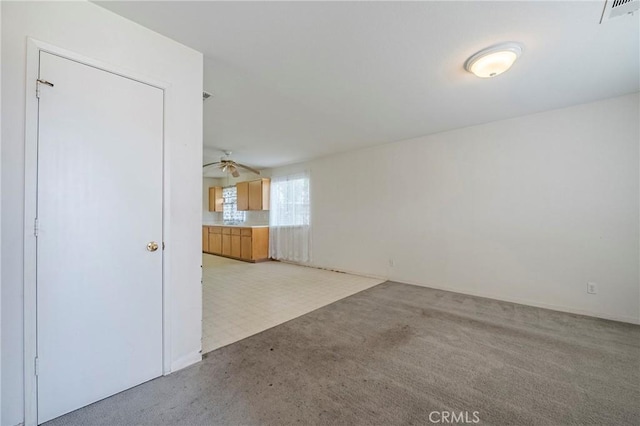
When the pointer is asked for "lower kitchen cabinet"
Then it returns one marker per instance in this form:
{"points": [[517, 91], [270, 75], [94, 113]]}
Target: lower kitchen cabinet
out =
{"points": [[235, 242], [205, 239], [215, 240], [248, 244], [226, 241], [259, 249], [245, 247]]}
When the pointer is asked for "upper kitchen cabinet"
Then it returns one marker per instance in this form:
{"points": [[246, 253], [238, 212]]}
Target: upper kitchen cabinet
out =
{"points": [[215, 199], [253, 195], [242, 193], [259, 194]]}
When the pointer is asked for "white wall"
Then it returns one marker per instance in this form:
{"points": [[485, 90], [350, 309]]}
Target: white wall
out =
{"points": [[89, 30], [528, 209], [0, 216]]}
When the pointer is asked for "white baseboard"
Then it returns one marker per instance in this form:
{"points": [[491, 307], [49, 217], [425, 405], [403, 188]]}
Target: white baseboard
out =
{"points": [[343, 271], [560, 308], [185, 361]]}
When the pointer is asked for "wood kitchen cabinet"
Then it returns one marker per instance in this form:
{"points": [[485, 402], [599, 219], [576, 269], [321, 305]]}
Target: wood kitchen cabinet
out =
{"points": [[249, 244], [245, 247], [254, 194], [205, 239], [215, 240], [242, 192], [215, 199], [235, 242], [226, 241], [258, 248], [259, 194]]}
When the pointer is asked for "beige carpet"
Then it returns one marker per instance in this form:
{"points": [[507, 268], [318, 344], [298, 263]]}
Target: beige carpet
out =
{"points": [[396, 354]]}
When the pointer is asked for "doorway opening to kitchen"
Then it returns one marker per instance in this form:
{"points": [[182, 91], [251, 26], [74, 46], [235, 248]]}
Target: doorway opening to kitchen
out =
{"points": [[248, 222]]}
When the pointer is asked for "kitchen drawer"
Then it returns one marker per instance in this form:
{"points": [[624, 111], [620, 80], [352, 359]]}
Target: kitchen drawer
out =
{"points": [[215, 230], [235, 231], [245, 232], [226, 231]]}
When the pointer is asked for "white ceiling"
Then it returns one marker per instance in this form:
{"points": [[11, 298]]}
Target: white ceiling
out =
{"points": [[294, 81]]}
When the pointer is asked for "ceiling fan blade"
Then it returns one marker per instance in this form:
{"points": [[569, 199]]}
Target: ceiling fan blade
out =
{"points": [[210, 164], [248, 168]]}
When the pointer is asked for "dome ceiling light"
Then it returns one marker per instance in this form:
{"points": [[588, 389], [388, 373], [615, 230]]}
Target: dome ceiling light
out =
{"points": [[493, 60]]}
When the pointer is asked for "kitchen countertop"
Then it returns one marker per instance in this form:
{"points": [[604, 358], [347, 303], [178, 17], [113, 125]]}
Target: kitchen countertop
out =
{"points": [[234, 226]]}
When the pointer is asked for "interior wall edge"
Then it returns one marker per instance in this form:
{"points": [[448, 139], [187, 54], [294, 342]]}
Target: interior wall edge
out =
{"points": [[110, 39]]}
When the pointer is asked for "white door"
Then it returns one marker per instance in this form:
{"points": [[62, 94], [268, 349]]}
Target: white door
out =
{"points": [[99, 288]]}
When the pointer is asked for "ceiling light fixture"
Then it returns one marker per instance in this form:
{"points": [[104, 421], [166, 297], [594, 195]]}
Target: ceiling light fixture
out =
{"points": [[493, 60]]}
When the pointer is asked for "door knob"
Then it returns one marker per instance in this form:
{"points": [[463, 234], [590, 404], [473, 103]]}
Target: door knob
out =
{"points": [[152, 246]]}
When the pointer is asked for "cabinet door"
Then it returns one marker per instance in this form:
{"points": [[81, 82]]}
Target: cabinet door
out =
{"points": [[242, 189], [260, 243], [266, 193], [215, 199], [235, 245], [205, 239], [226, 244], [215, 243], [245, 249], [212, 199], [219, 199], [255, 195]]}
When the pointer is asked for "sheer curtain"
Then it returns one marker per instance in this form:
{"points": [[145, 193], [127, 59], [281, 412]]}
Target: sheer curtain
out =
{"points": [[289, 218]]}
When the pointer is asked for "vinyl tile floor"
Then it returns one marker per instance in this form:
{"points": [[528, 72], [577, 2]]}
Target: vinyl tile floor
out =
{"points": [[242, 299]]}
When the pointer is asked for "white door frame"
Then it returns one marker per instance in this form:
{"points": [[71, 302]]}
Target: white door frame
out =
{"points": [[34, 47]]}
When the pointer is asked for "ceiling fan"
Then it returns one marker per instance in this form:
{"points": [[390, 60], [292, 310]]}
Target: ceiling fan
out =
{"points": [[228, 165]]}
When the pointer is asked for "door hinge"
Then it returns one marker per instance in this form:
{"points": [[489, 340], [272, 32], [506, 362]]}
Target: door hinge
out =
{"points": [[38, 83], [36, 364], [35, 227]]}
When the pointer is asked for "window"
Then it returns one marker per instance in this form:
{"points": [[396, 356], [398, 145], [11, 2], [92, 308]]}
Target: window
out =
{"points": [[230, 213], [289, 218], [290, 200]]}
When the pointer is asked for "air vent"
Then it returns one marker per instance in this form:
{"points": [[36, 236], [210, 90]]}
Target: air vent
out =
{"points": [[617, 8]]}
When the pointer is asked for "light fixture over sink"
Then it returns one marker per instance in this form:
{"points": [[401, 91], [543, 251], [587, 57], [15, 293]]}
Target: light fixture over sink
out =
{"points": [[493, 60]]}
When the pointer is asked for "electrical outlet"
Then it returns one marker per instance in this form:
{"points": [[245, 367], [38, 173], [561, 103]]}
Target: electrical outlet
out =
{"points": [[592, 288], [392, 262]]}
